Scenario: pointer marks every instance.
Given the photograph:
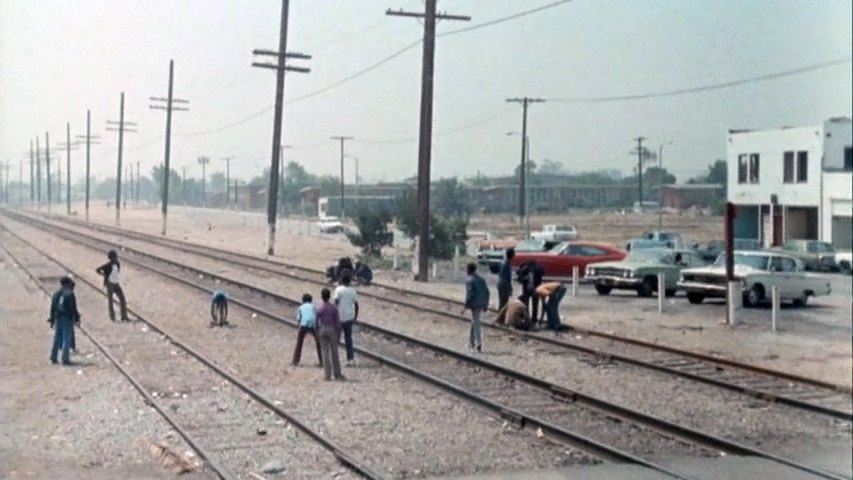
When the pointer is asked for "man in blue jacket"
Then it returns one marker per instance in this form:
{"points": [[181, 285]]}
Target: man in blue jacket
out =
{"points": [[63, 317], [476, 300]]}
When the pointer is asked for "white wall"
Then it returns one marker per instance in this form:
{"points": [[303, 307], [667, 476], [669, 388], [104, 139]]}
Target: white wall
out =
{"points": [[771, 145], [837, 200], [838, 133]]}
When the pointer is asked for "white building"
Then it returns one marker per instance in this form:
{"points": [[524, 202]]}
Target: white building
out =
{"points": [[801, 176]]}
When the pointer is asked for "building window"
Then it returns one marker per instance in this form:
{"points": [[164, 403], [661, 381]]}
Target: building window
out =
{"points": [[848, 158], [753, 167], [788, 173], [802, 167], [742, 168]]}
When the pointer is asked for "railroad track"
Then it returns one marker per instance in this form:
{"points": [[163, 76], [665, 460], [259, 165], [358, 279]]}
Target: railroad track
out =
{"points": [[218, 419], [573, 417], [795, 391]]}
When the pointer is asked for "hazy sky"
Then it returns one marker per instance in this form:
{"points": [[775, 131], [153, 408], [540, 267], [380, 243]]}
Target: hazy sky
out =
{"points": [[58, 58]]}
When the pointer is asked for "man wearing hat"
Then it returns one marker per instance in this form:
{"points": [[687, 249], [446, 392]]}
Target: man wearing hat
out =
{"points": [[63, 316]]}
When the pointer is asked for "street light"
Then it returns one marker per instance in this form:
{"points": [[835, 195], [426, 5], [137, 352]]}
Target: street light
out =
{"points": [[660, 183], [526, 165]]}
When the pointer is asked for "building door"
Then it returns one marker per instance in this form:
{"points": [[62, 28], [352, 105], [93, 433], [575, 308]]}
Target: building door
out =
{"points": [[842, 233]]}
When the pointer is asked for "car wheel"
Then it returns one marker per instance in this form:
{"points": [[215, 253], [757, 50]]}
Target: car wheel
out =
{"points": [[695, 298], [754, 296], [801, 302], [603, 289], [647, 288], [494, 268]]}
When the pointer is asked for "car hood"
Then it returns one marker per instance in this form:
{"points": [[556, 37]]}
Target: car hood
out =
{"points": [[720, 270], [627, 264]]}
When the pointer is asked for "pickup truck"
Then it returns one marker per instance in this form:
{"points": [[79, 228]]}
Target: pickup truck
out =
{"points": [[556, 233]]}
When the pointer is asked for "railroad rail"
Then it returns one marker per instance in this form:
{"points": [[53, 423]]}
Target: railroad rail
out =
{"points": [[513, 394], [796, 391], [197, 389]]}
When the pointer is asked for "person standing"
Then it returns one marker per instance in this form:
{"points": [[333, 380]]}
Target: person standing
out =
{"points": [[111, 271], [63, 317], [329, 327], [505, 278], [552, 293], [476, 300], [306, 315], [346, 299]]}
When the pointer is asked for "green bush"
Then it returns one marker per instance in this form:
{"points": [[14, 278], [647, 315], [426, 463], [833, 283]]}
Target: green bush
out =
{"points": [[373, 233]]}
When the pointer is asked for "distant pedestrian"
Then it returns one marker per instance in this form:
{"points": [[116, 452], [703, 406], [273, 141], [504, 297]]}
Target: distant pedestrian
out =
{"points": [[552, 293], [346, 299], [514, 314], [63, 317], [111, 271], [306, 315], [476, 300], [505, 278], [219, 309], [329, 327]]}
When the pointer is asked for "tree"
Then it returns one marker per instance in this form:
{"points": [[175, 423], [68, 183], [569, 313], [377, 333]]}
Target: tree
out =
{"points": [[654, 175], [551, 167], [217, 182], [373, 233], [717, 173], [446, 231], [531, 169], [407, 213], [450, 198], [157, 176]]}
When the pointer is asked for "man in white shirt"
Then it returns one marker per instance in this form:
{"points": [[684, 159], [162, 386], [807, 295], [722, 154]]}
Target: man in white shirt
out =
{"points": [[346, 300], [111, 271]]}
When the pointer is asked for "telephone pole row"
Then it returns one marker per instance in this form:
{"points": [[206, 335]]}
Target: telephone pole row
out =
{"points": [[425, 136], [640, 152], [121, 126], [169, 108], [280, 66]]}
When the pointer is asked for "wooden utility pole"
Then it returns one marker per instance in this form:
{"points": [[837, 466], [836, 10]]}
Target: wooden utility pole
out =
{"points": [[90, 140], [169, 108], [280, 67], [203, 161], [640, 170], [342, 139], [32, 174], [227, 181], [425, 136], [121, 127], [38, 174], [47, 167], [522, 184], [68, 147], [184, 184]]}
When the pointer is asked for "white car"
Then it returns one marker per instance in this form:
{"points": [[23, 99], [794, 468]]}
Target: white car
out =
{"points": [[556, 233], [758, 272], [330, 225]]}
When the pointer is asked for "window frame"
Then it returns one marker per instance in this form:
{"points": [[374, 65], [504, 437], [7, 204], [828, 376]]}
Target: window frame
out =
{"points": [[802, 167], [742, 168], [754, 168], [788, 166]]}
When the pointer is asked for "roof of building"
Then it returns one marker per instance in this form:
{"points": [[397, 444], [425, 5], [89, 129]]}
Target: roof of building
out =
{"points": [[694, 186]]}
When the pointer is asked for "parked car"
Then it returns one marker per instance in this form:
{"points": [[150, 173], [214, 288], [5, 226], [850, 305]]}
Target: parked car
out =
{"points": [[643, 244], [491, 253], [639, 271], [758, 271], [816, 255], [556, 233], [710, 251], [671, 239], [330, 225], [560, 260]]}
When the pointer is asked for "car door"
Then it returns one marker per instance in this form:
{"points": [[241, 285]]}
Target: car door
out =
{"points": [[794, 280]]}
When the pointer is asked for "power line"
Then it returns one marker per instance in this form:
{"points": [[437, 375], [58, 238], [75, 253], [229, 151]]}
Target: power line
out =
{"points": [[704, 88], [503, 19]]}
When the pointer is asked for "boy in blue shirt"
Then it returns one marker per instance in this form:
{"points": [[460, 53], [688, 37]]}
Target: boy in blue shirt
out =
{"points": [[306, 315], [219, 308]]}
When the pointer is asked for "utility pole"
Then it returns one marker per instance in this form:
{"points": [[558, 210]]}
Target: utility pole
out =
{"points": [[425, 135], [59, 176], [184, 184], [136, 199], [227, 181], [522, 174], [121, 127], [639, 141], [280, 67], [38, 174], [47, 166], [32, 173], [90, 140], [203, 161], [342, 139], [68, 147], [169, 108]]}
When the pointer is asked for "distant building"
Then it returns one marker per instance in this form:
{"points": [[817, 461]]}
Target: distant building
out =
{"points": [[793, 183], [692, 195]]}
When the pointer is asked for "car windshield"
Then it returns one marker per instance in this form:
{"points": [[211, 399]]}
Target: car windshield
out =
{"points": [[530, 246], [558, 248], [819, 247], [650, 256], [754, 261]]}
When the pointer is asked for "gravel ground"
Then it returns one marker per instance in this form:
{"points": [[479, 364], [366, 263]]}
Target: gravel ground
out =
{"points": [[396, 424], [820, 352], [704, 407], [84, 421]]}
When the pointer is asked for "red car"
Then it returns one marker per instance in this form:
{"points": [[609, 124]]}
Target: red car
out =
{"points": [[559, 261]]}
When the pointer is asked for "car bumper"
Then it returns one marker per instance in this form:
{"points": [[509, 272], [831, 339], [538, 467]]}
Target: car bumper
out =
{"points": [[615, 282], [703, 288]]}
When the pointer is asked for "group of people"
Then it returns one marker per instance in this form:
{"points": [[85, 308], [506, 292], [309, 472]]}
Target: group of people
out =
{"points": [[359, 272], [64, 315], [522, 312]]}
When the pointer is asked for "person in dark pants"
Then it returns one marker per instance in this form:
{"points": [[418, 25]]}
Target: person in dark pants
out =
{"points": [[63, 317], [505, 278], [329, 328], [219, 309], [111, 271], [552, 293], [346, 300], [530, 276], [476, 300], [306, 315]]}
